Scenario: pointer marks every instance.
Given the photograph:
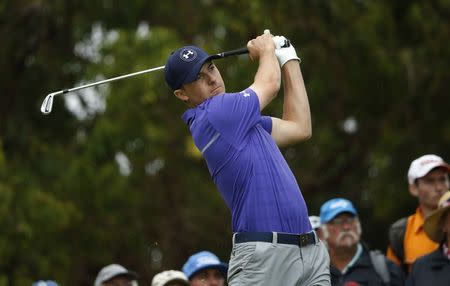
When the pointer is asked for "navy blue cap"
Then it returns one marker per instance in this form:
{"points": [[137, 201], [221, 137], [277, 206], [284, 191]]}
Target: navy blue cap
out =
{"points": [[184, 65], [201, 261], [330, 209]]}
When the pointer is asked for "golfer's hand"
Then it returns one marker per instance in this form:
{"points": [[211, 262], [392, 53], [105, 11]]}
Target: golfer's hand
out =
{"points": [[284, 54], [261, 45]]}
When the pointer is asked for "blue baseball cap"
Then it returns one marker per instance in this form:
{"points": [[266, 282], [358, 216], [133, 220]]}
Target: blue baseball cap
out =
{"points": [[45, 283], [184, 65], [201, 261], [330, 209]]}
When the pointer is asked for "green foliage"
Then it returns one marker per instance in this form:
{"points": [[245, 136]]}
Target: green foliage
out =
{"points": [[376, 75]]}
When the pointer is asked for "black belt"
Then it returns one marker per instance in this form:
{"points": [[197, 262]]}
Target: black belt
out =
{"points": [[283, 238]]}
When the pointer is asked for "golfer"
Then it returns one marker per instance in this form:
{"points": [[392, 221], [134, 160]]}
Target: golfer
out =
{"points": [[273, 243]]}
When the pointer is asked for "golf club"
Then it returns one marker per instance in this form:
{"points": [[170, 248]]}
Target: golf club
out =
{"points": [[47, 105]]}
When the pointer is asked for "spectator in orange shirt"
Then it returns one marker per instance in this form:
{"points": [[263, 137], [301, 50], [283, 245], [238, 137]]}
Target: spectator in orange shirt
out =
{"points": [[428, 180]]}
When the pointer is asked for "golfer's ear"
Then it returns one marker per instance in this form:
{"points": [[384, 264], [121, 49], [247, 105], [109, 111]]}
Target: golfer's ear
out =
{"points": [[181, 94]]}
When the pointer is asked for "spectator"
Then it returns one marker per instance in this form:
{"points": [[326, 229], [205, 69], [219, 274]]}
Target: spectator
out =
{"points": [[428, 180], [115, 275], [351, 262], [434, 268], [170, 278], [316, 225], [205, 269], [45, 283]]}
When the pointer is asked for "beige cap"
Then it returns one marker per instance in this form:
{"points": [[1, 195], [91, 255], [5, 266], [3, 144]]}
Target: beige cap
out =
{"points": [[433, 223]]}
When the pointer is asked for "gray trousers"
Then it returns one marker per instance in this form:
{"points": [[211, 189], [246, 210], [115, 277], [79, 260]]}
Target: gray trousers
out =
{"points": [[274, 264]]}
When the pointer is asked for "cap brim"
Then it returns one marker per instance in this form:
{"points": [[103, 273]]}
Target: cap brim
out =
{"points": [[129, 274], [442, 165], [431, 225], [192, 76], [335, 213], [222, 267]]}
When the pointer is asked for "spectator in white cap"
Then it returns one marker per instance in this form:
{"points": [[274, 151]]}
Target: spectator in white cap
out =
{"points": [[434, 268], [170, 278], [205, 269], [316, 225], [116, 275], [428, 180]]}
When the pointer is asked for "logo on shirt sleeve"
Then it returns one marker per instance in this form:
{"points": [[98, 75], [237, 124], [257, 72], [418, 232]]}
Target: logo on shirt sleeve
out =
{"points": [[245, 94]]}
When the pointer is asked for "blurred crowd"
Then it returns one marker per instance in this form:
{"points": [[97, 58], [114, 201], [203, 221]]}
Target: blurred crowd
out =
{"points": [[418, 251]]}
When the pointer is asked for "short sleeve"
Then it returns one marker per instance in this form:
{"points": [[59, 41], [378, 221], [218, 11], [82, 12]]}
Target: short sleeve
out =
{"points": [[234, 114], [266, 122]]}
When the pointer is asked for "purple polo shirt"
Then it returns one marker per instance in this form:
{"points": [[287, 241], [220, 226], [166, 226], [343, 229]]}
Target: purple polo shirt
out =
{"points": [[246, 165]]}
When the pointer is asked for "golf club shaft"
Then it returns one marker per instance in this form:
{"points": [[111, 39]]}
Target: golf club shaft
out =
{"points": [[110, 79], [221, 55], [47, 105]]}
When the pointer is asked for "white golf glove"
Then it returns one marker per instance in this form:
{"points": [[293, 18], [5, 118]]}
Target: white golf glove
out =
{"points": [[284, 54], [279, 41]]}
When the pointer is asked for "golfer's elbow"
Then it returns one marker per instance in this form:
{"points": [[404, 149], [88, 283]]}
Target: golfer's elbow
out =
{"points": [[304, 133], [307, 135]]}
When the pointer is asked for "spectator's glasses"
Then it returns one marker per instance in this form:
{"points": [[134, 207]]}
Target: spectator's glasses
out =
{"points": [[343, 220]]}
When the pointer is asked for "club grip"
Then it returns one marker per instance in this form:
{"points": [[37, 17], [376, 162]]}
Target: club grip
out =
{"points": [[242, 51], [233, 53]]}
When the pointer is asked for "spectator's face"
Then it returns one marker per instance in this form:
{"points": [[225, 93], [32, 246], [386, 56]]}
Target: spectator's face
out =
{"points": [[120, 281], [343, 231], [208, 277], [431, 187]]}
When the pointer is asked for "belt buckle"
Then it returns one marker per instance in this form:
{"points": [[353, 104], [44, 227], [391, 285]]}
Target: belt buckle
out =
{"points": [[304, 241]]}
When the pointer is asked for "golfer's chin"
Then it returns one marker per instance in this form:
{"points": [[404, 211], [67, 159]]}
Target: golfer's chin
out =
{"points": [[217, 91]]}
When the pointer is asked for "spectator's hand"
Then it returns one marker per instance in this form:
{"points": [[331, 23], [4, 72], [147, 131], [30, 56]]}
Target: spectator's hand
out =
{"points": [[284, 54]]}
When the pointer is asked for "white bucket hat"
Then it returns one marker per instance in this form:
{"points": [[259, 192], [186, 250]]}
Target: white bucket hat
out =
{"points": [[162, 278]]}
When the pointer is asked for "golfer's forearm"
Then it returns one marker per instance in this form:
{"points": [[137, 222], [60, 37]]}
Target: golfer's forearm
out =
{"points": [[269, 73], [296, 104]]}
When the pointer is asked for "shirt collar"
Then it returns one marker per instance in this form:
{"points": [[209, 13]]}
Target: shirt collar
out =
{"points": [[355, 258], [188, 115], [418, 221]]}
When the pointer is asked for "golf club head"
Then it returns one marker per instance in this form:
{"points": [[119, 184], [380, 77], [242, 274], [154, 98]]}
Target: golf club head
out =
{"points": [[47, 105]]}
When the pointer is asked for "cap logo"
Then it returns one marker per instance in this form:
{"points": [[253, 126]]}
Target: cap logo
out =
{"points": [[338, 204], [423, 163], [206, 260], [188, 55]]}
